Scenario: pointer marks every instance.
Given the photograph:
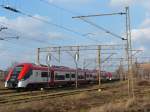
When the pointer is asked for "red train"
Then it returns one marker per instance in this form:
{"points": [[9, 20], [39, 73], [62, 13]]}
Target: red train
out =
{"points": [[28, 75]]}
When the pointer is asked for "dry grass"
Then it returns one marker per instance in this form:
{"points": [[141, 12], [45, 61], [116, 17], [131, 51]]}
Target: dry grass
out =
{"points": [[109, 100], [2, 84], [64, 104], [115, 107], [130, 105], [143, 83]]}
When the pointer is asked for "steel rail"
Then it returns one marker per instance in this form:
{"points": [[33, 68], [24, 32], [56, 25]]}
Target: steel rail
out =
{"points": [[43, 96]]}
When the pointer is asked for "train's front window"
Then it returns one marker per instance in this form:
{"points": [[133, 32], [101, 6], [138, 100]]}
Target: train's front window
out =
{"points": [[16, 72]]}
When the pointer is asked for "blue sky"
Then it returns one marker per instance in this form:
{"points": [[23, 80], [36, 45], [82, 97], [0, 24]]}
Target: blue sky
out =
{"points": [[34, 33]]}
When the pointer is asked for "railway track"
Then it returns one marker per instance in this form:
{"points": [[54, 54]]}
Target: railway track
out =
{"points": [[6, 91], [10, 92], [28, 96], [42, 96], [31, 93], [3, 89]]}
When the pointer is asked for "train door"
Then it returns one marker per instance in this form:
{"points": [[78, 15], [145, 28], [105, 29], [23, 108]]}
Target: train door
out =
{"points": [[36, 77], [72, 74]]}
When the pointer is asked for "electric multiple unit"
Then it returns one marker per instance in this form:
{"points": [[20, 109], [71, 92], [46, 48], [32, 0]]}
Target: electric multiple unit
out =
{"points": [[27, 75]]}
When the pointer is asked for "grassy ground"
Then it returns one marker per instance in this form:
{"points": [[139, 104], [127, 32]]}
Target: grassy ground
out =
{"points": [[113, 99], [1, 84]]}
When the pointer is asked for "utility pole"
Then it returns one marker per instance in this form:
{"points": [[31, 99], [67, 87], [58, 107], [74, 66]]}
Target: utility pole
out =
{"points": [[129, 55], [99, 67], [76, 62], [103, 29], [76, 52], [128, 39], [38, 56], [48, 60], [121, 74]]}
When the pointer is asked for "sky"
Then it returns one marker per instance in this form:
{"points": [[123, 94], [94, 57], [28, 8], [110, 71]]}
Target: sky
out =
{"points": [[34, 33]]}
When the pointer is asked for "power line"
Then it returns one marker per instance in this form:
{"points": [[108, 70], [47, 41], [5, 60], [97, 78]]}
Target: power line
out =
{"points": [[15, 37], [37, 40], [109, 14], [102, 28], [45, 21], [40, 41], [58, 7], [71, 12], [81, 17], [39, 19], [10, 37]]}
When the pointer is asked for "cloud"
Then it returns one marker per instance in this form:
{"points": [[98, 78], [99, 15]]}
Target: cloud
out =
{"points": [[32, 33], [25, 25], [142, 32], [8, 57], [28, 28], [122, 2], [141, 36], [142, 48], [145, 23]]}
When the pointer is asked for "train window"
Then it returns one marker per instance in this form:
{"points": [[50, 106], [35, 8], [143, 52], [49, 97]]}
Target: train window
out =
{"points": [[73, 75], [67, 75], [90, 75], [59, 77], [94, 77], [80, 77], [44, 74], [36, 74], [16, 71]]}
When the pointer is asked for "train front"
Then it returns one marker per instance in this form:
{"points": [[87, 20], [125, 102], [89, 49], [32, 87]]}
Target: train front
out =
{"points": [[16, 75]]}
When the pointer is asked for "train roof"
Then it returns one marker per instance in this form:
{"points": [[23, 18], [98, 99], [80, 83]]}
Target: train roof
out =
{"points": [[53, 67]]}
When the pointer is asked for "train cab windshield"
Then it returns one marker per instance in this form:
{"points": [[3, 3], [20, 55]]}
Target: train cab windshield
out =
{"points": [[15, 73]]}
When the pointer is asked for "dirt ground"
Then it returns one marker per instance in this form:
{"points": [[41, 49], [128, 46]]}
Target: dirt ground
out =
{"points": [[112, 99]]}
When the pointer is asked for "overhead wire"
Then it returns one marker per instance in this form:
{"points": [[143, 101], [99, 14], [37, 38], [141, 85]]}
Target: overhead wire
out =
{"points": [[102, 28], [11, 27], [60, 26], [58, 7], [40, 19], [81, 17], [40, 41], [47, 22], [71, 12]]}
